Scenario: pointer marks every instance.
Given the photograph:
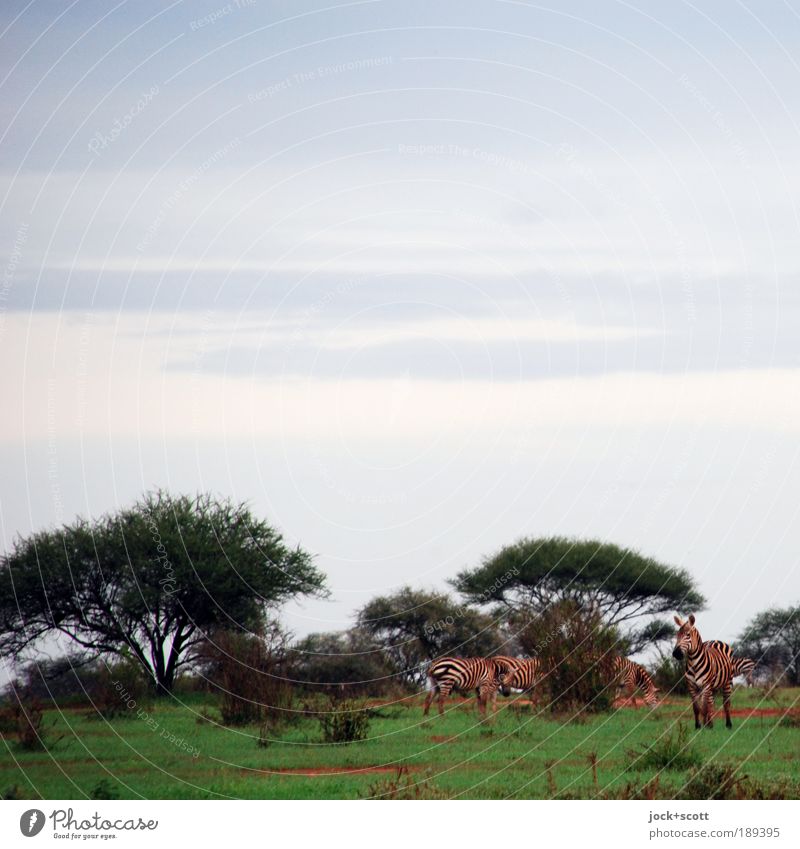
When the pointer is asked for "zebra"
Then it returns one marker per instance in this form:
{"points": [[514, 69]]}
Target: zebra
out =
{"points": [[630, 675], [709, 667], [744, 666], [518, 673], [463, 673]]}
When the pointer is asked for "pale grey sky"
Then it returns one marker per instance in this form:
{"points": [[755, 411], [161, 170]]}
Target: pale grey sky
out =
{"points": [[414, 279]]}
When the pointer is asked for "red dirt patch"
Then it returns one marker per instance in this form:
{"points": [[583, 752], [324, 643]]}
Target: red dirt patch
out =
{"points": [[747, 712], [442, 738]]}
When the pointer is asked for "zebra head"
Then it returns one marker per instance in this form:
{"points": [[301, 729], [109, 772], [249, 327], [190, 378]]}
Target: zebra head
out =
{"points": [[687, 638]]}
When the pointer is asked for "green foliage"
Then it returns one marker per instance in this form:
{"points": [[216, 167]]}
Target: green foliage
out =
{"points": [[622, 584], [772, 639], [346, 662], [717, 781], [344, 722], [576, 648], [247, 670], [415, 626], [23, 720], [118, 689], [150, 579], [671, 750], [669, 676]]}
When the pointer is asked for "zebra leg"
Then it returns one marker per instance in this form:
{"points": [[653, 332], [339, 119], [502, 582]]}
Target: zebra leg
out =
{"points": [[444, 692], [482, 698], [695, 704], [429, 698], [709, 707], [726, 701]]}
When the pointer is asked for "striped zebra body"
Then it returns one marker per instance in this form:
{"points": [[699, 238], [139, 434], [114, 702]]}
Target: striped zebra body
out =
{"points": [[462, 673], [709, 667], [744, 666], [630, 675], [518, 673]]}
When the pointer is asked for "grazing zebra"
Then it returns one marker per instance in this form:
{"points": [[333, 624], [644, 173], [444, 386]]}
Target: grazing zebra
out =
{"points": [[630, 675], [709, 667], [463, 673], [744, 666], [518, 673]]}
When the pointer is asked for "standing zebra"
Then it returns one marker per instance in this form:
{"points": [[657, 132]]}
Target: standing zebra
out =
{"points": [[463, 673], [744, 666], [630, 675], [709, 667]]}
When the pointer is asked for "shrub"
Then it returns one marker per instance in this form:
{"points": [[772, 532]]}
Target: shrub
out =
{"points": [[345, 664], [669, 676], [576, 649], [717, 781], [247, 669], [405, 786], [669, 751], [344, 722], [118, 689], [24, 720]]}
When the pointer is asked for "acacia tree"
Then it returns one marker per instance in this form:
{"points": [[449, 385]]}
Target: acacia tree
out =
{"points": [[772, 639], [150, 581], [415, 626], [627, 589]]}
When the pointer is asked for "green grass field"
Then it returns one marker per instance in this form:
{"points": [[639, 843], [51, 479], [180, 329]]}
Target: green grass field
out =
{"points": [[173, 754]]}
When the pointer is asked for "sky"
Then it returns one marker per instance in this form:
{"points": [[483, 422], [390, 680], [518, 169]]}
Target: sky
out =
{"points": [[413, 279]]}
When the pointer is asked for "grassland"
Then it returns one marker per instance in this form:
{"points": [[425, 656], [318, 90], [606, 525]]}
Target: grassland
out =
{"points": [[173, 751]]}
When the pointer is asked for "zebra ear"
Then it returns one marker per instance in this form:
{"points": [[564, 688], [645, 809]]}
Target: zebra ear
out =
{"points": [[678, 621], [691, 618]]}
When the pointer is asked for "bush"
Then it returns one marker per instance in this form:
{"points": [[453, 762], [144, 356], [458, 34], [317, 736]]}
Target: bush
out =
{"points": [[670, 751], [717, 781], [247, 670], [669, 676], [576, 648], [344, 722], [24, 721], [405, 786], [118, 689], [347, 664]]}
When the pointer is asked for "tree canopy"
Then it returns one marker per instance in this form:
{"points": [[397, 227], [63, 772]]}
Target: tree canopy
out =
{"points": [[772, 639], [416, 626], [623, 585], [150, 580]]}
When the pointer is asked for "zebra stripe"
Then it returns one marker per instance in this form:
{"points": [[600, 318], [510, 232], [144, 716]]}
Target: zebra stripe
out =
{"points": [[744, 666], [462, 673], [630, 675], [709, 667], [518, 673]]}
